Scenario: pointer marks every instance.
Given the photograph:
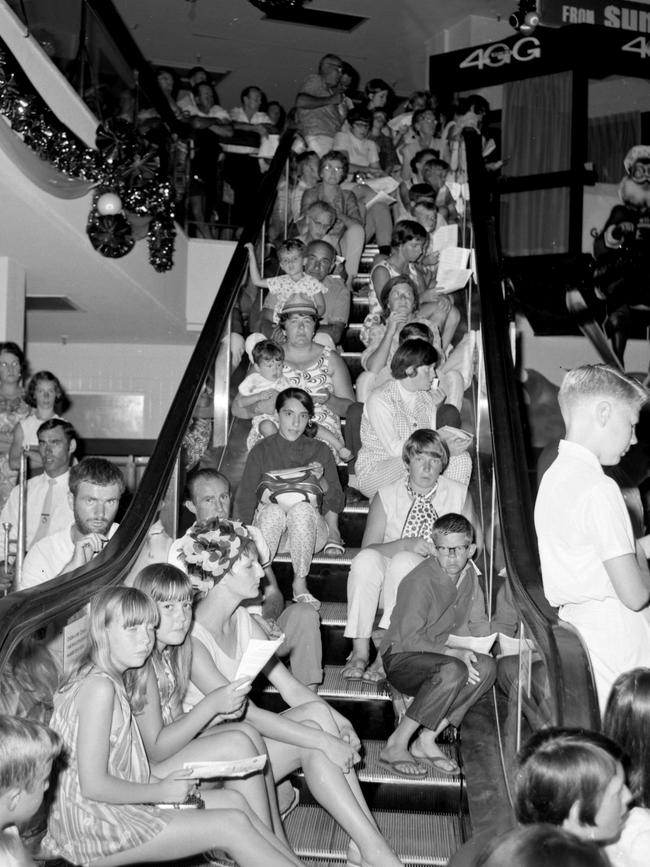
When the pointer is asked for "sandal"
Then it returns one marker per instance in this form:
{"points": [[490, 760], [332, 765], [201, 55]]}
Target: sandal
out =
{"points": [[334, 546], [355, 668], [308, 599]]}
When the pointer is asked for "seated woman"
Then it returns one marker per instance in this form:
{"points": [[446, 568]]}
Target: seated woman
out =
{"points": [[382, 332], [348, 228], [309, 365], [540, 845], [627, 721], [397, 538], [408, 242], [397, 408], [306, 526], [363, 157], [45, 396], [170, 736], [310, 734]]}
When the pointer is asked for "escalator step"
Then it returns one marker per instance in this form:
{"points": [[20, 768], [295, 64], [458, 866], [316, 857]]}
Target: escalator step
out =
{"points": [[334, 685]]}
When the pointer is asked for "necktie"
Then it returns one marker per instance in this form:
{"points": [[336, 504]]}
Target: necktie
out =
{"points": [[46, 511]]}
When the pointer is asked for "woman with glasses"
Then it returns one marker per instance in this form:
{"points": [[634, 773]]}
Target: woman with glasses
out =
{"points": [[12, 410], [397, 538]]}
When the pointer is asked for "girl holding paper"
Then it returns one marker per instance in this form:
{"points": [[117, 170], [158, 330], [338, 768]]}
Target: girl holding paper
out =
{"points": [[310, 734], [169, 734]]}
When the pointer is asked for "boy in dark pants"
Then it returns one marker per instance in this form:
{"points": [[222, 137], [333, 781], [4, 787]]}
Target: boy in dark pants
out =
{"points": [[439, 597]]}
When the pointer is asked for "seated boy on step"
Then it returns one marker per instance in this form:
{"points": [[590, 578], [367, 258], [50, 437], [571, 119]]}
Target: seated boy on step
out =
{"points": [[439, 597]]}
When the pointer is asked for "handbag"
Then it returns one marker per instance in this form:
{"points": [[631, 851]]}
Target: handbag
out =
{"points": [[288, 487]]}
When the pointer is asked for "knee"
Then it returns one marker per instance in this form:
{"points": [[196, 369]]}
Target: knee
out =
{"points": [[270, 515], [252, 735], [300, 514], [318, 714], [241, 744], [366, 569], [453, 671]]}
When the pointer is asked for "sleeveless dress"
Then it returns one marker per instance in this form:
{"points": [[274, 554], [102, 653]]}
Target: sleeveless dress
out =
{"points": [[227, 665], [82, 830], [12, 410], [315, 379]]}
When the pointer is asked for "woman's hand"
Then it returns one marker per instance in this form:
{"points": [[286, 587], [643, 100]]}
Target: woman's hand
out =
{"points": [[230, 699], [339, 751], [419, 546], [175, 787], [395, 321], [439, 397]]}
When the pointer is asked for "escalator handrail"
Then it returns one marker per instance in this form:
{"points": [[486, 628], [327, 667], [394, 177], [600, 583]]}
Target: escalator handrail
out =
{"points": [[24, 612], [568, 671]]}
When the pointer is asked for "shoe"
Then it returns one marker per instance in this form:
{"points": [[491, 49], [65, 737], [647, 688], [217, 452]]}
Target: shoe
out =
{"points": [[355, 668], [308, 599], [393, 768]]}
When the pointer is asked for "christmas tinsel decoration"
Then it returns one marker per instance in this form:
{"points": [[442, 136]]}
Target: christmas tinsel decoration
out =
{"points": [[124, 163]]}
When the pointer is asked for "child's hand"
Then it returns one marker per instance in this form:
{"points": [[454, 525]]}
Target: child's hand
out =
{"points": [[175, 787], [231, 699], [317, 469], [268, 394], [251, 249]]}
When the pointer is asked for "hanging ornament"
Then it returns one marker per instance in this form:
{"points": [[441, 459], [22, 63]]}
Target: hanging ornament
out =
{"points": [[109, 204], [111, 236]]}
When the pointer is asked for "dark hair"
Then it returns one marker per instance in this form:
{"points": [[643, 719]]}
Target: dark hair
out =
{"points": [[267, 350], [425, 440], [420, 156], [407, 230], [95, 471], [204, 474], [415, 329], [425, 201], [560, 767], [417, 93], [541, 845], [335, 156], [283, 115], [196, 89], [474, 103], [169, 71], [376, 85], [284, 317], [452, 522], [398, 281], [291, 245], [305, 399], [247, 90], [412, 354], [45, 376], [419, 112], [196, 69], [360, 114], [626, 722], [68, 429], [13, 349], [304, 156]]}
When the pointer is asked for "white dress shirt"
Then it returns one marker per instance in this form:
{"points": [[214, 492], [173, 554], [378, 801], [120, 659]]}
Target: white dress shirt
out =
{"points": [[60, 512]]}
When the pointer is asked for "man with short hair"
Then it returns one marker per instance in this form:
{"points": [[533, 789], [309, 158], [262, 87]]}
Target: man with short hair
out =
{"points": [[209, 496], [319, 117], [47, 505], [96, 486], [320, 262]]}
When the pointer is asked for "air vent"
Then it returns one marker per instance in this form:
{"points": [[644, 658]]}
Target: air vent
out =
{"points": [[316, 18], [50, 303]]}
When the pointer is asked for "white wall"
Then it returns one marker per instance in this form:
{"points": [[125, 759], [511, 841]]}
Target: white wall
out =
{"points": [[150, 370]]}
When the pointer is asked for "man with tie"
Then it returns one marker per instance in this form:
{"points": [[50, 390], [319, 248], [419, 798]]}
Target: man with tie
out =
{"points": [[47, 504]]}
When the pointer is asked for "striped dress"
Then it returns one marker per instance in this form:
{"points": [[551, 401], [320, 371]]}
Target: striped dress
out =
{"points": [[82, 830]]}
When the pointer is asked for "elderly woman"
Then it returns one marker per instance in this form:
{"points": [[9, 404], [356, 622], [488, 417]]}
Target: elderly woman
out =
{"points": [[309, 365], [397, 408], [397, 538], [308, 522], [13, 409], [382, 333], [348, 228]]}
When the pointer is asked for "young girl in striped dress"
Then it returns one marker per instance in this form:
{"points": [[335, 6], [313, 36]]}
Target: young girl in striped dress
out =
{"points": [[105, 809]]}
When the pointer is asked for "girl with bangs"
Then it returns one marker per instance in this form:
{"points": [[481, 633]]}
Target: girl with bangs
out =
{"points": [[169, 734], [310, 733], [108, 809]]}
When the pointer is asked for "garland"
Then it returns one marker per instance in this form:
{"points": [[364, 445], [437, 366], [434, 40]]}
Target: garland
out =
{"points": [[132, 197]]}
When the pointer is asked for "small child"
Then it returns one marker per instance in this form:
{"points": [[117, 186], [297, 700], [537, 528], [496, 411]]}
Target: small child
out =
{"points": [[27, 750], [592, 566], [294, 281], [439, 597], [266, 381]]}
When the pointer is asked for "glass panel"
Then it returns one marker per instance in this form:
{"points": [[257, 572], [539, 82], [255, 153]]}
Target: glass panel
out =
{"points": [[535, 222]]}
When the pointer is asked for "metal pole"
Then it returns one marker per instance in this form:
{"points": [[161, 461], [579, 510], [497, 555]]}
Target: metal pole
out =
{"points": [[22, 529]]}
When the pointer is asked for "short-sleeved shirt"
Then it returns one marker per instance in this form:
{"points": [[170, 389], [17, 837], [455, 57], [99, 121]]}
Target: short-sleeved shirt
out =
{"points": [[324, 120], [581, 523], [337, 300], [361, 152]]}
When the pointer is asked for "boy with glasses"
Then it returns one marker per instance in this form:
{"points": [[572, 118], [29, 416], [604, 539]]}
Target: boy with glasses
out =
{"points": [[439, 597]]}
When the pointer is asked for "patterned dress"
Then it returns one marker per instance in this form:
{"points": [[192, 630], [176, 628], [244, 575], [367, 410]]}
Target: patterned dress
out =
{"points": [[12, 410], [82, 830], [316, 379]]}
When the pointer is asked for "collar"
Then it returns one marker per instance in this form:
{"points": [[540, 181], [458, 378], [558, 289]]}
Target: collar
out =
{"points": [[470, 566], [575, 450]]}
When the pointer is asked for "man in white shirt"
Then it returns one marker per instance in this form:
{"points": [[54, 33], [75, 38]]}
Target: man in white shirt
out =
{"points": [[96, 486], [47, 503], [209, 497]]}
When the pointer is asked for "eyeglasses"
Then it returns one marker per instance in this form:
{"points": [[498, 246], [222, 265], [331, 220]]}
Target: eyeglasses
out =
{"points": [[14, 365], [423, 460], [641, 172], [329, 168], [451, 552]]}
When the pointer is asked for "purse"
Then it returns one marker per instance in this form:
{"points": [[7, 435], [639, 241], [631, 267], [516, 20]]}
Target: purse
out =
{"points": [[288, 487]]}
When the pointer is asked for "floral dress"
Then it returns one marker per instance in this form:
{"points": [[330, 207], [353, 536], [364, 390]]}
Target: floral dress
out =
{"points": [[12, 410]]}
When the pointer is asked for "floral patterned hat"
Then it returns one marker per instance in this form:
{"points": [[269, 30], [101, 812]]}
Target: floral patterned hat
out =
{"points": [[210, 548]]}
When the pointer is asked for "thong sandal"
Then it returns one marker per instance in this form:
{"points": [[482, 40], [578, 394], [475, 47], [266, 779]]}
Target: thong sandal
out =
{"points": [[394, 768], [442, 764], [309, 599], [355, 668], [334, 546]]}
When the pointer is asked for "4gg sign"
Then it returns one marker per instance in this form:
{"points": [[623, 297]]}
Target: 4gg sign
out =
{"points": [[500, 53]]}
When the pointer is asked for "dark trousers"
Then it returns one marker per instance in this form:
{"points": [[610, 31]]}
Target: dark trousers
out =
{"points": [[439, 684]]}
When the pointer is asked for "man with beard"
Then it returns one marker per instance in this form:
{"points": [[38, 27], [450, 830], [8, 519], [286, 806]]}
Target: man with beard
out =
{"points": [[96, 486]]}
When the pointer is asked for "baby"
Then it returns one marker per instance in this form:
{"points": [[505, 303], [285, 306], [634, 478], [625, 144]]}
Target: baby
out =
{"points": [[267, 381], [294, 281]]}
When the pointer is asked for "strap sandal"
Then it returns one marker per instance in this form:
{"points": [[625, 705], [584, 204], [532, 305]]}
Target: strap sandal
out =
{"points": [[308, 599]]}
